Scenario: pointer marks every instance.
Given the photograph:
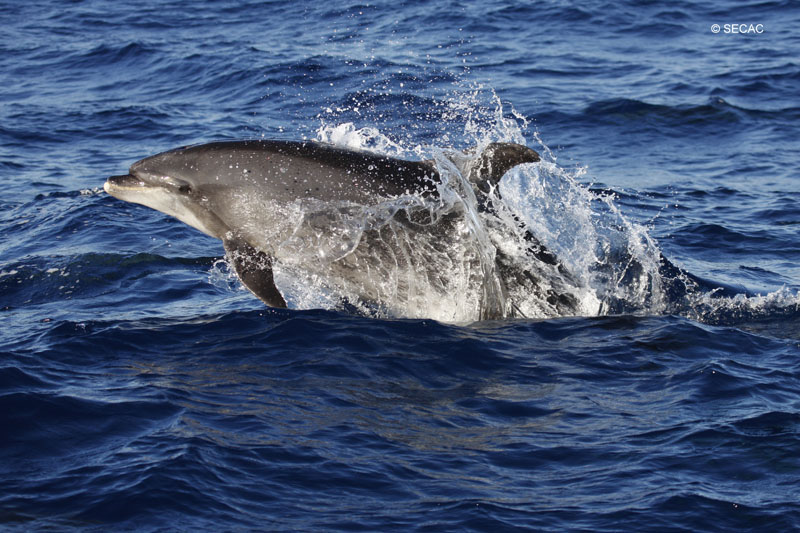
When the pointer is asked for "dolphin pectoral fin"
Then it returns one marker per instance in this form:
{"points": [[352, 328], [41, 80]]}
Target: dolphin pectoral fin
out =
{"points": [[254, 269]]}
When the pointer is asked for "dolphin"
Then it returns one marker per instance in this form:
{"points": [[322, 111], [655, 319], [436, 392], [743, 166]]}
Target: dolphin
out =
{"points": [[243, 193]]}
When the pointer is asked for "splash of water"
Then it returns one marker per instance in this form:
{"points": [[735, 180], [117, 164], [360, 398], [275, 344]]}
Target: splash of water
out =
{"points": [[485, 267], [542, 245]]}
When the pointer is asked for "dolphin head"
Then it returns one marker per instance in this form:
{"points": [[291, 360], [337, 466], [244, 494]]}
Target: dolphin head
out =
{"points": [[168, 182]]}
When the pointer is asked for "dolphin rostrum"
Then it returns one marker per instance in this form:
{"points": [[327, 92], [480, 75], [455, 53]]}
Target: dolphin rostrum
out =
{"points": [[242, 192]]}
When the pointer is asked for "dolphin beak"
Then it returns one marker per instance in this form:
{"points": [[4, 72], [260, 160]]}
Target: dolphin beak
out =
{"points": [[123, 183]]}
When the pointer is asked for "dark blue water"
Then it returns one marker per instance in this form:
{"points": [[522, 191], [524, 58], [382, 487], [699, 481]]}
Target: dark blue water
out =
{"points": [[142, 389]]}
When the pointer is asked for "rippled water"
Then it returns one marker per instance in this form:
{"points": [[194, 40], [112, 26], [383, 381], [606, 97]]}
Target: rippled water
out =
{"points": [[142, 388]]}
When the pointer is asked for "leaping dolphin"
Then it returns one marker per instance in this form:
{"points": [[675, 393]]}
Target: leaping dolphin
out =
{"points": [[242, 191]]}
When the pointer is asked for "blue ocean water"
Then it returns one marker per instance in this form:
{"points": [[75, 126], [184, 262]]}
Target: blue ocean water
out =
{"points": [[141, 388]]}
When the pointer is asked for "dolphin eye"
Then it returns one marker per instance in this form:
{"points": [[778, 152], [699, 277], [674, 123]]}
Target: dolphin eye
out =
{"points": [[177, 185]]}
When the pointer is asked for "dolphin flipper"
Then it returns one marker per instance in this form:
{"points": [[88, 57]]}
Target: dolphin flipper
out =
{"points": [[254, 270]]}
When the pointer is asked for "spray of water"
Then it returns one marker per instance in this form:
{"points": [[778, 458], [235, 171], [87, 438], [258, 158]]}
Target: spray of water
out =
{"points": [[540, 245]]}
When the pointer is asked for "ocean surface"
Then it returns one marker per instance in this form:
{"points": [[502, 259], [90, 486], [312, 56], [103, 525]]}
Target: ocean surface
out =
{"points": [[143, 389]]}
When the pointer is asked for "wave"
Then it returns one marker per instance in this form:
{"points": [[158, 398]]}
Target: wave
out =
{"points": [[38, 280], [717, 115], [626, 110]]}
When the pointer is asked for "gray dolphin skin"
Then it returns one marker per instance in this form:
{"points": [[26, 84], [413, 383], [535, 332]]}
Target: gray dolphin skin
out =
{"points": [[203, 186]]}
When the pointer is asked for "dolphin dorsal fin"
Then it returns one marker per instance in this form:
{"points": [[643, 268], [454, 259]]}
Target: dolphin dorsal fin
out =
{"points": [[497, 159], [254, 269]]}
